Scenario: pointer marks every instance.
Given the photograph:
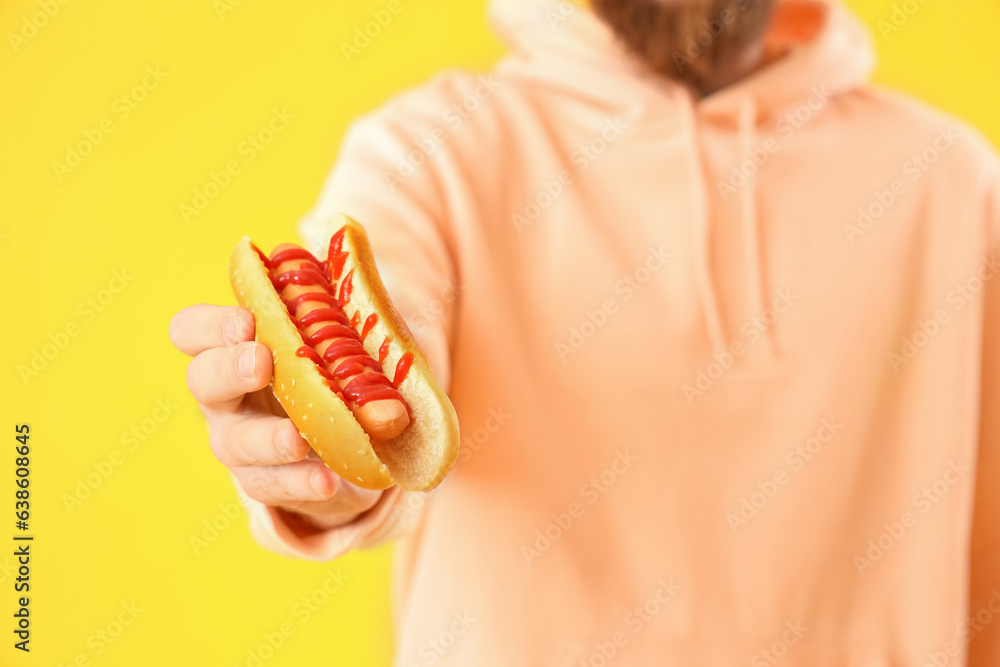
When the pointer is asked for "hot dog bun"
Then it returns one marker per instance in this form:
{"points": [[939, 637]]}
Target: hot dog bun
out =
{"points": [[416, 460]]}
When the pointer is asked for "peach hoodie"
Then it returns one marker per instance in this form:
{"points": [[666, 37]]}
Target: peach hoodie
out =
{"points": [[727, 369]]}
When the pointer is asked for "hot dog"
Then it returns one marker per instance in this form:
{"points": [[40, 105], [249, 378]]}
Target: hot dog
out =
{"points": [[375, 403], [332, 332]]}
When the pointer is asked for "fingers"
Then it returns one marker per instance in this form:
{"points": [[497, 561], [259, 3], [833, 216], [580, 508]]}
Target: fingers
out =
{"points": [[346, 505], [201, 327], [307, 487], [257, 439], [289, 485], [218, 378]]}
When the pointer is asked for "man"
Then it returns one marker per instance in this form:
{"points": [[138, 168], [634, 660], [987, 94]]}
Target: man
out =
{"points": [[720, 324]]}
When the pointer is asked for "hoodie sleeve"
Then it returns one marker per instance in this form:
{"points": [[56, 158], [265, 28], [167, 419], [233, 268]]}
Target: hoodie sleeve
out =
{"points": [[984, 649], [376, 182]]}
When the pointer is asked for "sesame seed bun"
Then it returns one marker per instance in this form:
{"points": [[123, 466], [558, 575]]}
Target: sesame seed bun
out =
{"points": [[417, 459]]}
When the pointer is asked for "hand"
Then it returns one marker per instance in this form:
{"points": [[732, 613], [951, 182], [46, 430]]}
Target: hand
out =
{"points": [[249, 431]]}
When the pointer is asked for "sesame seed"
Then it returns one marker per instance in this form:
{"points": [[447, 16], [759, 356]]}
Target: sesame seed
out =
{"points": [[293, 382], [305, 417], [345, 465], [360, 479], [310, 405]]}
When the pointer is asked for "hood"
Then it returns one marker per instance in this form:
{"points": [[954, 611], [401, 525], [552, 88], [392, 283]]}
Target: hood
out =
{"points": [[566, 47], [838, 53]]}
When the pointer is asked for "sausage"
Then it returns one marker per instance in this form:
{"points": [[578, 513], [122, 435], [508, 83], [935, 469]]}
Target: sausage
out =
{"points": [[377, 406]]}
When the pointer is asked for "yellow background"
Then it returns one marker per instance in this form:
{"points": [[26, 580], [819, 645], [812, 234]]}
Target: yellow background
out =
{"points": [[60, 243]]}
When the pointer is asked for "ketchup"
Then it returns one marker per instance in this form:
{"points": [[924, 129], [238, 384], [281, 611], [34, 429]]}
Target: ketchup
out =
{"points": [[369, 323], [324, 315], [346, 289], [383, 351], [347, 349], [370, 387], [309, 353], [402, 368], [290, 254], [263, 257], [293, 304], [331, 331], [301, 277], [335, 257]]}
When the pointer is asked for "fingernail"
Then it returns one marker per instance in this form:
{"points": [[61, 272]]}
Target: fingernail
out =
{"points": [[232, 329], [320, 482], [246, 363], [286, 441]]}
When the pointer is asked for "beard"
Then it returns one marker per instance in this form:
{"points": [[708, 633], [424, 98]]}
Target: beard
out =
{"points": [[704, 43]]}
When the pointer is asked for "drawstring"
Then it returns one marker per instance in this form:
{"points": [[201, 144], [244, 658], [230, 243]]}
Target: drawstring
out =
{"points": [[746, 122], [703, 276]]}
